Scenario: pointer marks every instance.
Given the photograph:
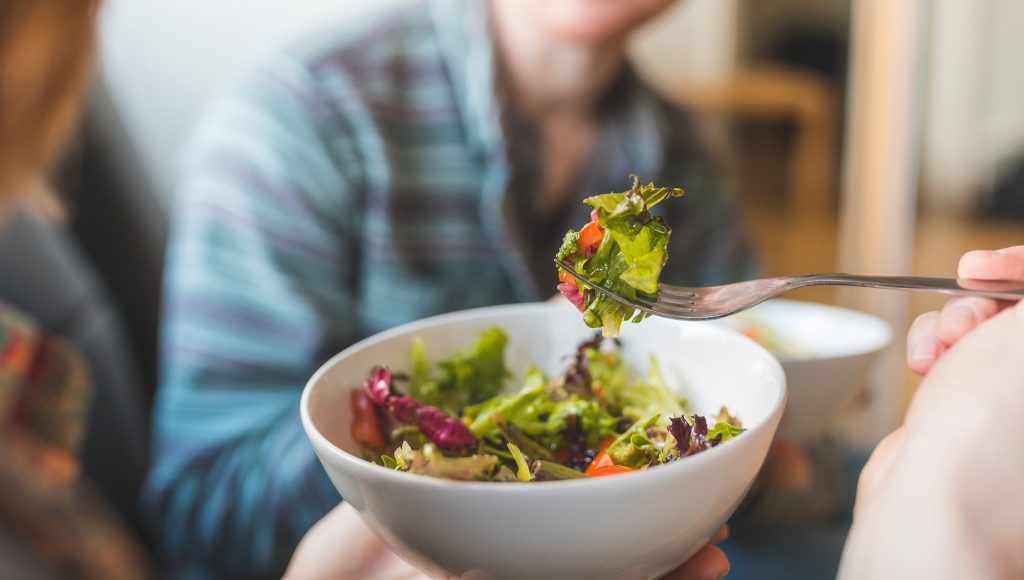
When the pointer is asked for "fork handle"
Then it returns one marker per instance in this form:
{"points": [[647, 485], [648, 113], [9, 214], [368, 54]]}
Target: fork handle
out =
{"points": [[1000, 289]]}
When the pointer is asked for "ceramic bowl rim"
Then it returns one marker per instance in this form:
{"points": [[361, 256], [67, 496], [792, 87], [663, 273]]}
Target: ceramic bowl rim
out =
{"points": [[363, 470]]}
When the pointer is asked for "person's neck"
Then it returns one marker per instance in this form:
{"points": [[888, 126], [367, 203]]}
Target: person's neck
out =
{"points": [[550, 78]]}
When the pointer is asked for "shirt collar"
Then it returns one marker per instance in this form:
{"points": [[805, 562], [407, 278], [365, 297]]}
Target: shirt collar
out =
{"points": [[633, 133], [635, 123], [632, 136]]}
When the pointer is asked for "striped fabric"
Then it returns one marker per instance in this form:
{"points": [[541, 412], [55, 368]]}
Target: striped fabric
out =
{"points": [[356, 182]]}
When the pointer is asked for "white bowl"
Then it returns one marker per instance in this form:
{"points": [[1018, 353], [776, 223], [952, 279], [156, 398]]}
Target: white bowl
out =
{"points": [[643, 523], [829, 353]]}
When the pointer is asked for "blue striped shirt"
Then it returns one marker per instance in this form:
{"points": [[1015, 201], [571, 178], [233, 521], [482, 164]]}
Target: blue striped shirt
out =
{"points": [[354, 182]]}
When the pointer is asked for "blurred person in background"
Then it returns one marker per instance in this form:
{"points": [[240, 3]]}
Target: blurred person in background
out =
{"points": [[53, 524], [938, 498], [426, 161]]}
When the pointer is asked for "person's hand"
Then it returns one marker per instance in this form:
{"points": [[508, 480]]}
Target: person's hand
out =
{"points": [[709, 563], [940, 496], [934, 332], [341, 546]]}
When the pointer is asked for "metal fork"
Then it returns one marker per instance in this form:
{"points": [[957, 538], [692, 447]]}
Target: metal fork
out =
{"points": [[713, 302]]}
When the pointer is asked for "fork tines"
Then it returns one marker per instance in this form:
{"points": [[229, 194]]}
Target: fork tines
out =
{"points": [[669, 295], [671, 302]]}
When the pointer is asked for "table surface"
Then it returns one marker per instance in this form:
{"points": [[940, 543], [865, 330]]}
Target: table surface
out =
{"points": [[807, 552]]}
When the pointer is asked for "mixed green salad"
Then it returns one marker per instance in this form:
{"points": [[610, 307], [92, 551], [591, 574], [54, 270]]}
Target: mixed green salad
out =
{"points": [[597, 418], [623, 248]]}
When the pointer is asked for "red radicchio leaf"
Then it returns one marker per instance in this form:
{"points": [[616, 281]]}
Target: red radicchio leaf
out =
{"points": [[593, 215], [445, 431], [403, 408], [691, 439], [700, 433], [378, 386], [577, 377], [680, 430], [579, 456], [571, 291]]}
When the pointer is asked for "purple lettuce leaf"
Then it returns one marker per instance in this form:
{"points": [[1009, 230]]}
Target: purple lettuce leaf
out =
{"points": [[700, 434], [577, 376], [378, 386], [571, 291], [403, 408], [445, 431], [680, 430]]}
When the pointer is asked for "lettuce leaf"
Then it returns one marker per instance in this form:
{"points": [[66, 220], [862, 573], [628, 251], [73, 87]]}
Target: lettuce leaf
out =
{"points": [[537, 415], [609, 376], [482, 416], [627, 395], [652, 395], [690, 435], [630, 257], [725, 430], [522, 467], [420, 374], [570, 243], [551, 471], [430, 461], [471, 375], [634, 449]]}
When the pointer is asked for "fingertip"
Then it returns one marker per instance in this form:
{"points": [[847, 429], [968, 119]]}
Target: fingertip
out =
{"points": [[923, 347], [923, 353], [710, 563], [975, 264], [920, 366], [1004, 264]]}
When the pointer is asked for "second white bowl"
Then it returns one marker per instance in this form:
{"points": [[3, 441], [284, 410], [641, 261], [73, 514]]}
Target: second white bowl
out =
{"points": [[827, 353]]}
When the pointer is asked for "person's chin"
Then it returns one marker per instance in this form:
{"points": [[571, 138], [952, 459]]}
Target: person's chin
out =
{"points": [[597, 21], [588, 31]]}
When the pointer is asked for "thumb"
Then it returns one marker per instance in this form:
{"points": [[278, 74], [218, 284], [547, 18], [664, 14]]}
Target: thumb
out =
{"points": [[975, 373]]}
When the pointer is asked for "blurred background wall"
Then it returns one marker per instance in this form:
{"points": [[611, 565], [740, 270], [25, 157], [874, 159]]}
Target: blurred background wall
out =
{"points": [[974, 121], [162, 62]]}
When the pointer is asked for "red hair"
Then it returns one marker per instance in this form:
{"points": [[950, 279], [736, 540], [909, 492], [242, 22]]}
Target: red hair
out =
{"points": [[46, 53]]}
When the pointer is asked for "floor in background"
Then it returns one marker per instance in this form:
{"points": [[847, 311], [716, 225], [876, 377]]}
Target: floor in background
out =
{"points": [[798, 241]]}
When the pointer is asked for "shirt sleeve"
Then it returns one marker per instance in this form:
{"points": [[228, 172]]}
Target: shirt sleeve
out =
{"points": [[258, 293]]}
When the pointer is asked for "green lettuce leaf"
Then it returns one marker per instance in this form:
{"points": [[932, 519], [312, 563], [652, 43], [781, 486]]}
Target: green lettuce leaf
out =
{"points": [[482, 416], [569, 245], [420, 374], [630, 257], [471, 375], [633, 449], [522, 467], [627, 395], [430, 461], [551, 471], [726, 430], [533, 412]]}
